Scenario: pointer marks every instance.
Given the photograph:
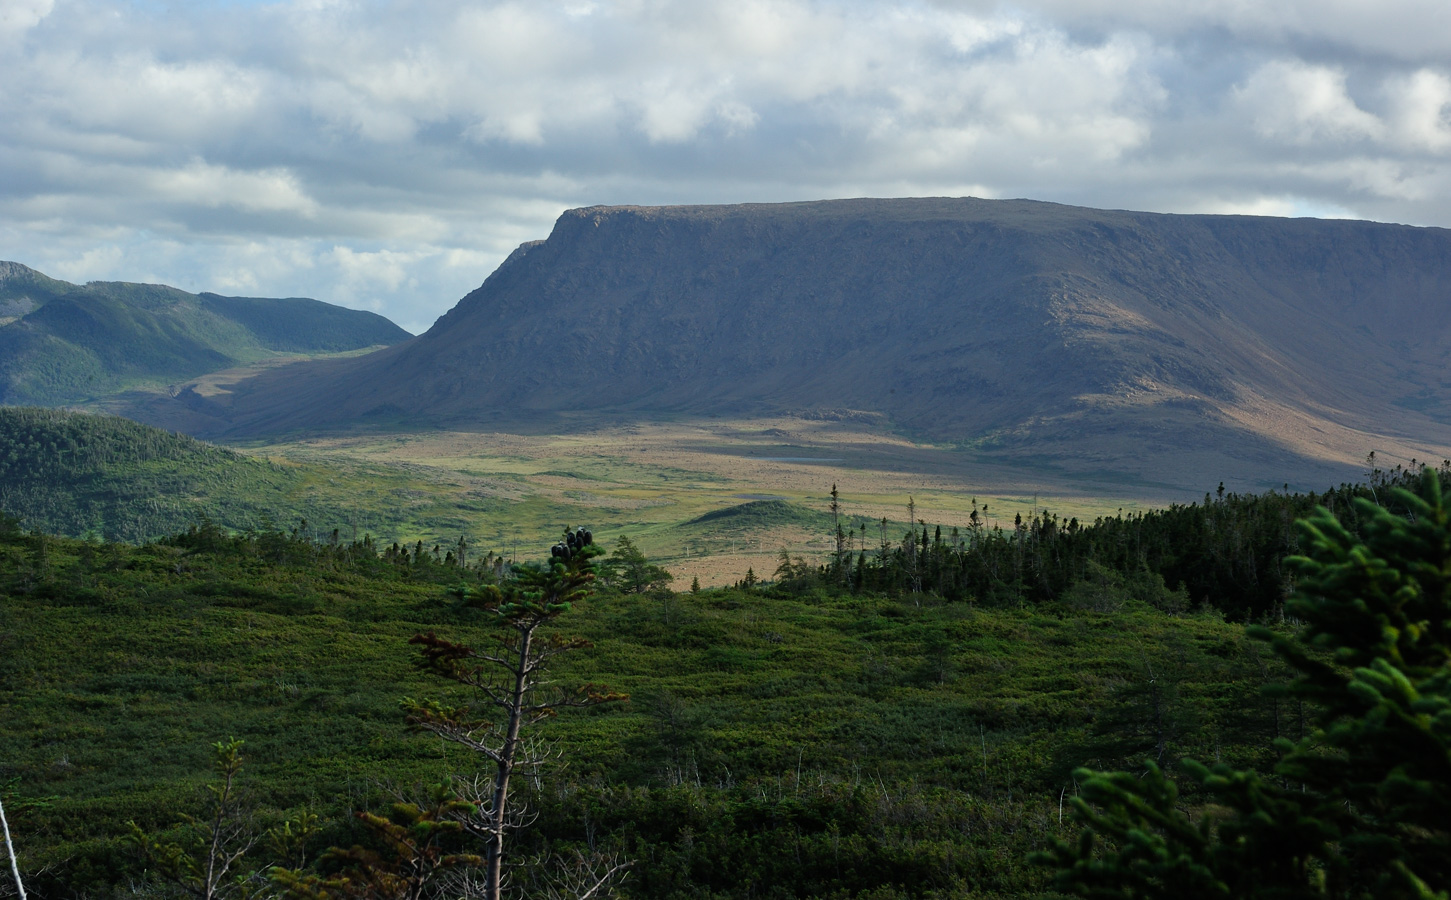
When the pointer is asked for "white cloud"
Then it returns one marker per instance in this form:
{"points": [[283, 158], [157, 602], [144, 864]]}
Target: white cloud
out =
{"points": [[388, 154], [516, 126], [1283, 206], [139, 97], [19, 16], [385, 270], [671, 112], [1303, 104], [89, 266], [1421, 110], [198, 183]]}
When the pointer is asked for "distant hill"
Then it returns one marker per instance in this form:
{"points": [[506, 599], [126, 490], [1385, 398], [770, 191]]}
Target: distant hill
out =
{"points": [[1178, 349], [761, 514], [79, 474], [62, 343]]}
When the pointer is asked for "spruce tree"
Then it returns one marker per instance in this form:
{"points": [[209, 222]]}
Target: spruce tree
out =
{"points": [[1361, 806], [513, 693]]}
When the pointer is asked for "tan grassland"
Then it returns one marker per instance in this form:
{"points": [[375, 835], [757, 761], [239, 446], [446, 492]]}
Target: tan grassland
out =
{"points": [[651, 481]]}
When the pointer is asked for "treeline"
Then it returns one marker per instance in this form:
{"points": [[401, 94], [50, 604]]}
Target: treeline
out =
{"points": [[1226, 552], [625, 570]]}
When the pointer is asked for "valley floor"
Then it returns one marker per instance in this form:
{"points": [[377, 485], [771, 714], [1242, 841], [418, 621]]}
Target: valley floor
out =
{"points": [[660, 483]]}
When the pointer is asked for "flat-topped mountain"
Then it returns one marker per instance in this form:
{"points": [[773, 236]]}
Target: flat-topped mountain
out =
{"points": [[1185, 348], [65, 343]]}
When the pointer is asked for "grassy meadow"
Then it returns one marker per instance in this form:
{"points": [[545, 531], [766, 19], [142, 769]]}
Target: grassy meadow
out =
{"points": [[707, 500], [666, 484]]}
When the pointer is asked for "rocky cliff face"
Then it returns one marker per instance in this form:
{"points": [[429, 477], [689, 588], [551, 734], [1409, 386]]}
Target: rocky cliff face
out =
{"points": [[1080, 336]]}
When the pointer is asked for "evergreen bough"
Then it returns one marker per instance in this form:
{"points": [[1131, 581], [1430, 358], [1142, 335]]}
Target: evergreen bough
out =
{"points": [[1358, 808]]}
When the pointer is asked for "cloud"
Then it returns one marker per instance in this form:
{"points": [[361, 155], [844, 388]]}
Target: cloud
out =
{"points": [[203, 184], [1421, 110], [1403, 30], [1303, 104], [19, 16], [388, 155]]}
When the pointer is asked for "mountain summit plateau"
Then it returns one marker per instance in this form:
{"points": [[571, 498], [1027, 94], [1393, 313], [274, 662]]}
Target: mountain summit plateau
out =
{"points": [[1175, 348]]}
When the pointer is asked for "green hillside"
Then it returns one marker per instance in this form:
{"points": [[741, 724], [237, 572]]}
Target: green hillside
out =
{"points": [[761, 514], [303, 325], [24, 290], [101, 476], [108, 477], [64, 343]]}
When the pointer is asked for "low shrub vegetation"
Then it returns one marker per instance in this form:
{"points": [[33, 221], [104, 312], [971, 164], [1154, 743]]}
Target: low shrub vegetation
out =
{"points": [[803, 738]]}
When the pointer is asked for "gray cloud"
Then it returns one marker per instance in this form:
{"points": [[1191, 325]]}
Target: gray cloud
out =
{"points": [[387, 156]]}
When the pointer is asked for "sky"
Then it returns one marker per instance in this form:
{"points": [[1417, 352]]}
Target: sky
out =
{"points": [[387, 156]]}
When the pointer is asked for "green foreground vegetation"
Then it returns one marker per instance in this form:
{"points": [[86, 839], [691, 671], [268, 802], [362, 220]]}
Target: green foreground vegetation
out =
{"points": [[898, 744], [826, 734], [1360, 805]]}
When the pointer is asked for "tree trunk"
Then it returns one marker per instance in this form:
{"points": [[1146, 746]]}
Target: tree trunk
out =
{"points": [[495, 855], [10, 849]]}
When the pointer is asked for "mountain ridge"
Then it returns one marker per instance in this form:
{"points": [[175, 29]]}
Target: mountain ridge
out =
{"points": [[64, 343], [1117, 340]]}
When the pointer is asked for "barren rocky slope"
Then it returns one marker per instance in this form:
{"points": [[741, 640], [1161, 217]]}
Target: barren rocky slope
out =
{"points": [[1165, 347]]}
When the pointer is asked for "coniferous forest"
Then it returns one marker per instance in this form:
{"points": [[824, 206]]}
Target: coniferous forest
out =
{"points": [[1226, 553], [275, 713]]}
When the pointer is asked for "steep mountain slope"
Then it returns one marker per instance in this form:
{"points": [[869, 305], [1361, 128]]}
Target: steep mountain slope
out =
{"points": [[1119, 341], [66, 343]]}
